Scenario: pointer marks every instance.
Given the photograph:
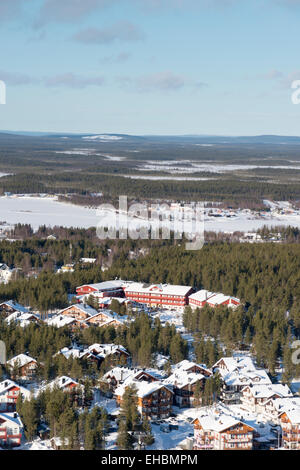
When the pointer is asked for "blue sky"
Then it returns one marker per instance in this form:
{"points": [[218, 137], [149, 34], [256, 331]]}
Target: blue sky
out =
{"points": [[150, 66]]}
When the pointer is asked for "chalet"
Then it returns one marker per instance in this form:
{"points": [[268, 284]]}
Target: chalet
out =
{"points": [[6, 308], [58, 443], [236, 373], [117, 376], [290, 425], [6, 273], [212, 299], [218, 431], [22, 366], [64, 383], [120, 375], [159, 295], [22, 319], [184, 385], [274, 407], [106, 318], [9, 393], [78, 311], [60, 321], [254, 398], [117, 351], [189, 366], [154, 399], [230, 364], [97, 353], [11, 430], [149, 375], [106, 289]]}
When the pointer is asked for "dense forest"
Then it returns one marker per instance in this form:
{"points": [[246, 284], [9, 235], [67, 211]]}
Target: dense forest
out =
{"points": [[264, 276], [227, 189], [86, 169]]}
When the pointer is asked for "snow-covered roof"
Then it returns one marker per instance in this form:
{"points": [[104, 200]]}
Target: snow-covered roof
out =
{"points": [[87, 309], [100, 286], [218, 299], [245, 377], [293, 415], [7, 384], [60, 321], [217, 422], [201, 295], [286, 404], [267, 391], [20, 360], [143, 388], [166, 289], [24, 319], [236, 363], [60, 382], [120, 373], [159, 375], [186, 365], [12, 418], [182, 378], [107, 349], [110, 317], [15, 306], [97, 350]]}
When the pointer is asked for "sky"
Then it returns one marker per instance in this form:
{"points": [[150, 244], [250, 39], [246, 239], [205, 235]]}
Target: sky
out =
{"points": [[213, 67]]}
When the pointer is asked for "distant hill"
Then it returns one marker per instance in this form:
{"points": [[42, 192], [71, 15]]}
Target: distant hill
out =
{"points": [[117, 139]]}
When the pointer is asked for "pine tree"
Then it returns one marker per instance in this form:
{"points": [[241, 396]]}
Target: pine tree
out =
{"points": [[125, 439]]}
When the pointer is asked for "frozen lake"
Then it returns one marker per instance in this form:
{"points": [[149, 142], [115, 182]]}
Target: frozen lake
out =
{"points": [[48, 211], [38, 211]]}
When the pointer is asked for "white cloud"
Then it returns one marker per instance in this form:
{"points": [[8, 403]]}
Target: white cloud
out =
{"points": [[123, 31], [72, 80]]}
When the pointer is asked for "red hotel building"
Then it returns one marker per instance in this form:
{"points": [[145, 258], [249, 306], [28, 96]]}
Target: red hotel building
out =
{"points": [[154, 295], [213, 299], [104, 289]]}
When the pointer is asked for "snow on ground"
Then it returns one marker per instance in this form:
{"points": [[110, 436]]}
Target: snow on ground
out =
{"points": [[47, 210], [108, 403], [170, 440], [295, 385], [190, 166], [172, 178], [114, 157], [110, 441], [77, 152], [103, 138], [37, 444], [38, 211], [174, 317]]}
